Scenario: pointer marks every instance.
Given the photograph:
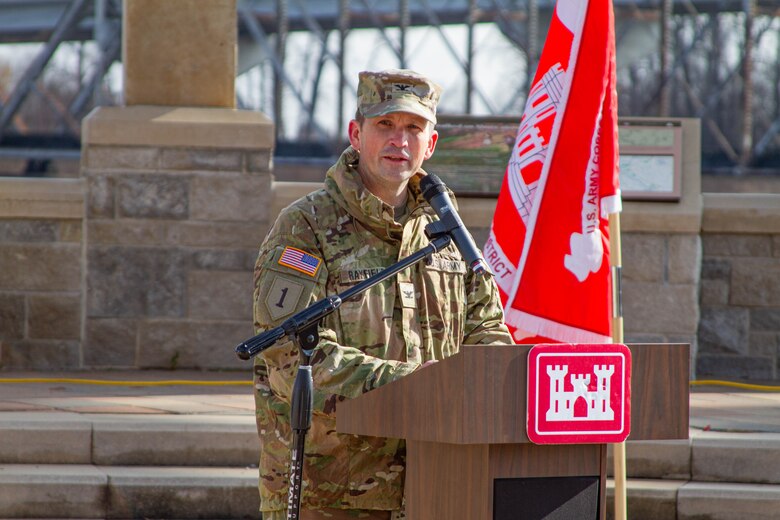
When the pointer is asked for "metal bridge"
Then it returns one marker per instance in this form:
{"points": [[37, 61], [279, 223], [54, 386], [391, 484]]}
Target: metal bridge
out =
{"points": [[718, 60]]}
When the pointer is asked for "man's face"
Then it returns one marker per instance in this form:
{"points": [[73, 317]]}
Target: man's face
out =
{"points": [[392, 147]]}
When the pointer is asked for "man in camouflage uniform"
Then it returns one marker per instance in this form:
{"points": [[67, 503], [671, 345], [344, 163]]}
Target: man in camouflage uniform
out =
{"points": [[369, 215]]}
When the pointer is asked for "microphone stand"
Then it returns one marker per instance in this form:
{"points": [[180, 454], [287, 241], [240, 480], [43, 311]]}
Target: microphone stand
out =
{"points": [[303, 327]]}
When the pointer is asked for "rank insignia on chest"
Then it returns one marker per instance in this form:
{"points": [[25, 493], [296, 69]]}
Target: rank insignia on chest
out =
{"points": [[300, 261], [408, 296]]}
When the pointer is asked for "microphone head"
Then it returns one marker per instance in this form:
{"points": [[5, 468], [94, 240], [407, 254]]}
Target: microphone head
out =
{"points": [[432, 185]]}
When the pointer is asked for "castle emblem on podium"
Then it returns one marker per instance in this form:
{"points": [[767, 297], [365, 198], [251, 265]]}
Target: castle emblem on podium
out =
{"points": [[594, 405], [578, 393]]}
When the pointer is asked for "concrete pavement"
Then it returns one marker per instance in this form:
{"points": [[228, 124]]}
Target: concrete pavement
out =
{"points": [[182, 444]]}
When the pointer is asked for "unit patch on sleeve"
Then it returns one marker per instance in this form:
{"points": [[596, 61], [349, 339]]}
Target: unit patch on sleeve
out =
{"points": [[300, 261], [282, 298]]}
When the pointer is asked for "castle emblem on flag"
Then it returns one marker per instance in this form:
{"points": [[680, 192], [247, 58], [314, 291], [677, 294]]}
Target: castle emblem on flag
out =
{"points": [[579, 393]]}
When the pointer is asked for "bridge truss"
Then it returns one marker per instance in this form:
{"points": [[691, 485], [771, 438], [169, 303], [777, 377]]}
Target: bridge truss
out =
{"points": [[717, 60]]}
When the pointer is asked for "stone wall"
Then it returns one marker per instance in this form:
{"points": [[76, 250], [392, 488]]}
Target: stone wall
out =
{"points": [[739, 330], [177, 203], [41, 272], [147, 261]]}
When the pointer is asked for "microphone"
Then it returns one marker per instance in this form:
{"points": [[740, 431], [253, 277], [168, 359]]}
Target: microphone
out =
{"points": [[435, 192]]}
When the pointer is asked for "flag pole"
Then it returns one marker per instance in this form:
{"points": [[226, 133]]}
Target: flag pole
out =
{"points": [[619, 449]]}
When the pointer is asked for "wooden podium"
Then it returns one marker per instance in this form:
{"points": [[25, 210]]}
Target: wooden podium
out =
{"points": [[468, 455]]}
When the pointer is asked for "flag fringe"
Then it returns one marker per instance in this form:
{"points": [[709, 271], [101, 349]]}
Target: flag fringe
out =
{"points": [[538, 326], [611, 204]]}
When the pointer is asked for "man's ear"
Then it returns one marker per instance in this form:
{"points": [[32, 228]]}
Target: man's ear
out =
{"points": [[354, 134], [431, 144]]}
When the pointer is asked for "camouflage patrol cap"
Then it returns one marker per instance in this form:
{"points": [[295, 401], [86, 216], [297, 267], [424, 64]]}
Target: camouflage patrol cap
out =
{"points": [[397, 90]]}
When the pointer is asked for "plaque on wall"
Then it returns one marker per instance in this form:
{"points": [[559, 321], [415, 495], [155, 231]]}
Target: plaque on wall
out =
{"points": [[473, 151], [650, 161]]}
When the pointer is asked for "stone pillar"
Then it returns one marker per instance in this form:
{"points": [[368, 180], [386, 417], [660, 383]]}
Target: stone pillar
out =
{"points": [[179, 52], [178, 188], [40, 273]]}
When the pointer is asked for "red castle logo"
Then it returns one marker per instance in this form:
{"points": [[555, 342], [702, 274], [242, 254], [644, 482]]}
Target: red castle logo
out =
{"points": [[579, 393]]}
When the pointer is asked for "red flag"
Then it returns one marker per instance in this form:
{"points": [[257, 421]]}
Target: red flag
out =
{"points": [[549, 243]]}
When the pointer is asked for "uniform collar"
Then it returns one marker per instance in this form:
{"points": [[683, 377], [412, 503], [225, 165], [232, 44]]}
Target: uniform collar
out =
{"points": [[344, 184]]}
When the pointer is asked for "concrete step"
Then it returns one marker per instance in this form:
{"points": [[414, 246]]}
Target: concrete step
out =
{"points": [[83, 491], [649, 499], [128, 439], [748, 458], [78, 465], [86, 491]]}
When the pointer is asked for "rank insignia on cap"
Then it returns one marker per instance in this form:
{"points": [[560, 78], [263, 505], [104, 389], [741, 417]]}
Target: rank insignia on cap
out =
{"points": [[300, 261]]}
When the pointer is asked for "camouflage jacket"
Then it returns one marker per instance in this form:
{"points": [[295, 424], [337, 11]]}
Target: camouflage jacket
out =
{"points": [[424, 313]]}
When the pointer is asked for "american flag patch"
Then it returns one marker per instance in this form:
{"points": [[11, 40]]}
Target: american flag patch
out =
{"points": [[300, 261]]}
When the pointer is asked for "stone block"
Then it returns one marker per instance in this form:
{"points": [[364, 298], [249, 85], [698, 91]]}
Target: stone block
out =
{"points": [[638, 337], [717, 244], [70, 230], [735, 367], [716, 269], [47, 355], [480, 235], [756, 282], [41, 198], [230, 197], [262, 162], [655, 459], [730, 212], [108, 158], [767, 318], [153, 196], [12, 316], [127, 232], [214, 295], [136, 281], [176, 440], [110, 342], [231, 235], [54, 317], [224, 260], [725, 501], [190, 344], [714, 293], [155, 127], [52, 491], [684, 259], [40, 267], [34, 438], [194, 159], [742, 457], [180, 53], [660, 308], [28, 231], [100, 196], [644, 257], [141, 492], [724, 330], [646, 499], [764, 344]]}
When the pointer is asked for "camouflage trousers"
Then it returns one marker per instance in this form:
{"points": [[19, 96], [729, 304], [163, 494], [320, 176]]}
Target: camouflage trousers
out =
{"points": [[338, 514]]}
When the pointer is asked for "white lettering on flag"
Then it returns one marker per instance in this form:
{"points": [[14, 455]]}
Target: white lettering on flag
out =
{"points": [[502, 268], [587, 249]]}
